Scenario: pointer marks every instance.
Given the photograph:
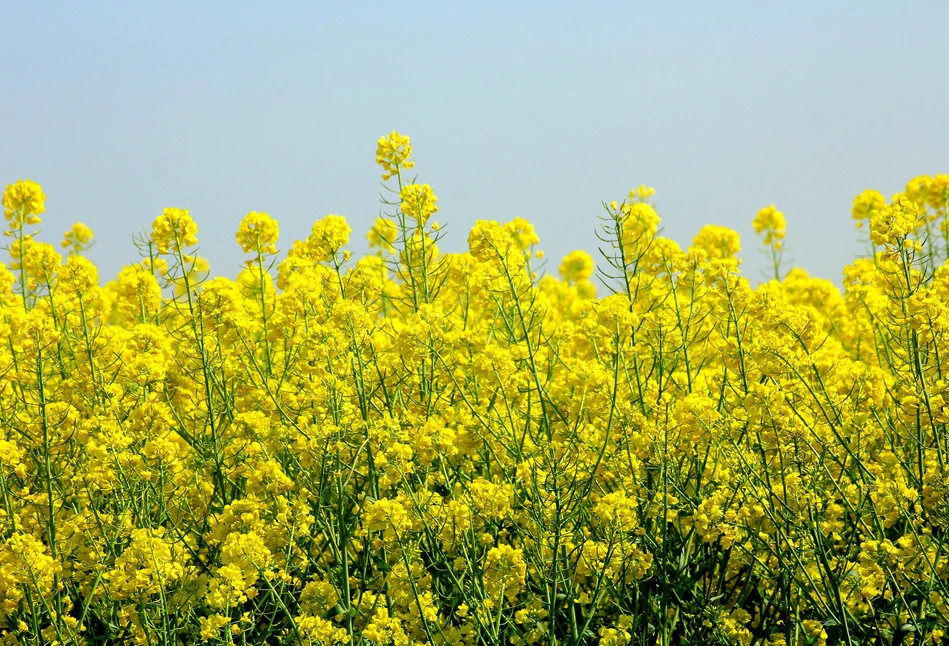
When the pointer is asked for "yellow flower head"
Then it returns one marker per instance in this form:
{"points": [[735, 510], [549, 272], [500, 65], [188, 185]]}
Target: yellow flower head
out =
{"points": [[6, 281], [79, 275], [23, 202], [937, 194], [174, 230], [39, 261], [77, 238], [147, 566], [418, 202], [891, 224], [865, 204], [137, 293], [327, 237], [522, 232], [719, 243], [917, 189], [771, 223], [258, 232], [576, 267], [617, 512], [318, 597], [504, 571], [27, 560], [489, 241], [392, 153]]}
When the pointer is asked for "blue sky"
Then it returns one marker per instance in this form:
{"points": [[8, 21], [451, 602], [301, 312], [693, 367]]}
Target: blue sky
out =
{"points": [[534, 109]]}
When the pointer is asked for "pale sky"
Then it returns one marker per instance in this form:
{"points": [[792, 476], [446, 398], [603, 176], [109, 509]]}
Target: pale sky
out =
{"points": [[539, 110]]}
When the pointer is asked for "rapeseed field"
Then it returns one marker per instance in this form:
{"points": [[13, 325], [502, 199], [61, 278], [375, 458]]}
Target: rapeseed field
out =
{"points": [[416, 447]]}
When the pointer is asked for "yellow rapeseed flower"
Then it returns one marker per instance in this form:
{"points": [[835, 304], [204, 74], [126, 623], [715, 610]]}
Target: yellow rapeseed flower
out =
{"points": [[392, 153], [719, 243], [174, 230], [866, 203], [770, 222], [576, 266], [77, 238], [23, 203], [258, 232], [893, 223], [418, 202]]}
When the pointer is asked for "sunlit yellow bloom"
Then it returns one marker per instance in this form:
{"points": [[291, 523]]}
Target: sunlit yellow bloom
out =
{"points": [[146, 567], [327, 238], [770, 222], [522, 232], [77, 238], [891, 224], [937, 194], [258, 232], [504, 571], [717, 242], [576, 266], [392, 153], [865, 204], [418, 202], [174, 230], [23, 203]]}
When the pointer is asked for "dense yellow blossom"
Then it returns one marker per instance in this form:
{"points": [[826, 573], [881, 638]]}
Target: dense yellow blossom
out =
{"points": [[418, 447], [146, 567], [327, 238], [418, 202], [576, 267], [174, 230], [866, 203], [392, 153], [893, 223], [504, 572], [717, 243], [23, 203], [771, 223], [77, 238], [258, 232]]}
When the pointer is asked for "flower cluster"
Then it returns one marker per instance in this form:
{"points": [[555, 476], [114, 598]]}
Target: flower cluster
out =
{"points": [[771, 223], [174, 230], [392, 153], [258, 232], [23, 203], [418, 202]]}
